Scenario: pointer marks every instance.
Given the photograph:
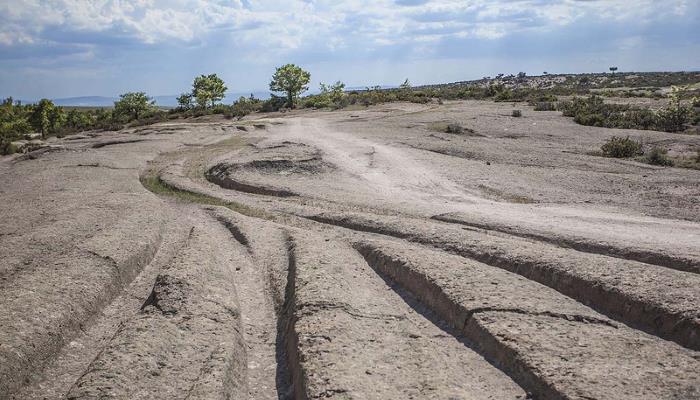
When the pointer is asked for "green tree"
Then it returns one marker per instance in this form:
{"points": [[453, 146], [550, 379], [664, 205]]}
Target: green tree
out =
{"points": [[133, 105], [291, 80], [613, 69], [40, 118], [208, 89], [184, 101], [406, 85]]}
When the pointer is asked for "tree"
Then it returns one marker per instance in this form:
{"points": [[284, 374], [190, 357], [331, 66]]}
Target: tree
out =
{"points": [[47, 118], [133, 105], [613, 69], [405, 85], [184, 101], [291, 80], [208, 89]]}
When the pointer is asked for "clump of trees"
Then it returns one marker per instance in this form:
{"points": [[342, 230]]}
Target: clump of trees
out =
{"points": [[18, 121]]}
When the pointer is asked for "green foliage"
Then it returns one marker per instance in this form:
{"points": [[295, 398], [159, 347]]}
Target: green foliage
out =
{"points": [[46, 118], [132, 106], [184, 101], [658, 156], [244, 106], [291, 80], [619, 147], [274, 103], [454, 128], [674, 117], [330, 96], [593, 111], [545, 106], [207, 90]]}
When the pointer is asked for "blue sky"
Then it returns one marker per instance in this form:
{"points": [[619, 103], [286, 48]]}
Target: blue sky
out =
{"points": [[65, 48]]}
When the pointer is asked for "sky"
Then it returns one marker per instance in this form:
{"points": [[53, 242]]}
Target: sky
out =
{"points": [[67, 48]]}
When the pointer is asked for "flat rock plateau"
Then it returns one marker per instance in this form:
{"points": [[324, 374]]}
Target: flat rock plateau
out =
{"points": [[352, 254]]}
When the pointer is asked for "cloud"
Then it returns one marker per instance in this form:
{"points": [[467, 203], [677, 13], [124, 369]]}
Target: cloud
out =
{"points": [[176, 38]]}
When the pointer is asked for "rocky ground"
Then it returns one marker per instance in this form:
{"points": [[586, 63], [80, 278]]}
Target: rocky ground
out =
{"points": [[350, 254]]}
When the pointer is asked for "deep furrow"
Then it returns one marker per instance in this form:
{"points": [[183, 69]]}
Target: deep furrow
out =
{"points": [[587, 246], [71, 303], [259, 322], [73, 360], [496, 311], [657, 300], [187, 339], [338, 353]]}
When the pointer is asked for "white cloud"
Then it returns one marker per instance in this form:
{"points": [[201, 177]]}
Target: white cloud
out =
{"points": [[287, 26]]}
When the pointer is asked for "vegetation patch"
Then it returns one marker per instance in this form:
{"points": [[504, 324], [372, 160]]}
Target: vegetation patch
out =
{"points": [[593, 111], [657, 156], [454, 128], [511, 198], [619, 147], [152, 182]]}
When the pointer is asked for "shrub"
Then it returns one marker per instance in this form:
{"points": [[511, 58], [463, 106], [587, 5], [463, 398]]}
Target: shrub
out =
{"points": [[619, 147], [517, 113], [545, 106], [593, 111], [674, 117], [274, 103], [695, 101], [6, 147], [244, 106], [657, 156], [454, 128]]}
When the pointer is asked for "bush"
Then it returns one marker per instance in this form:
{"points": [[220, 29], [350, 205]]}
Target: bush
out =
{"points": [[674, 117], [545, 106], [244, 106], [454, 128], [274, 103], [593, 111], [517, 113], [619, 147], [657, 156], [6, 147]]}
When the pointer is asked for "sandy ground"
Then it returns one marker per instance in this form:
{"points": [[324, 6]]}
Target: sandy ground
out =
{"points": [[351, 254]]}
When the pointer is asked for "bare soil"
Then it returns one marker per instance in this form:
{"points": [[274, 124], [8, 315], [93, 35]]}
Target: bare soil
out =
{"points": [[361, 254]]}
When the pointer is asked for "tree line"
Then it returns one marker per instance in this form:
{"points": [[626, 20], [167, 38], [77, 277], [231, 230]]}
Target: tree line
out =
{"points": [[18, 121]]}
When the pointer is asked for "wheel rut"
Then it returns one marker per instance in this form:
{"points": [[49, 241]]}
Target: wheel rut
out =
{"points": [[654, 299], [267, 378]]}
